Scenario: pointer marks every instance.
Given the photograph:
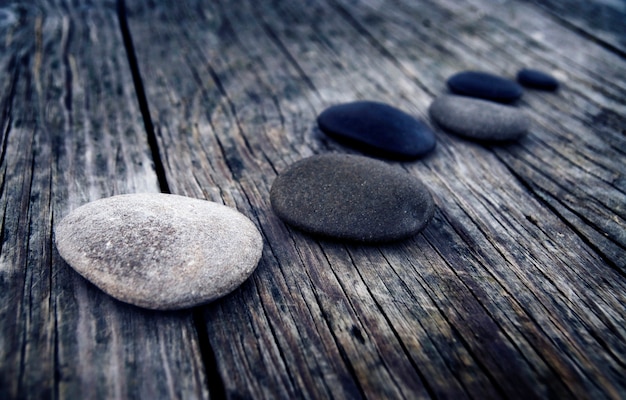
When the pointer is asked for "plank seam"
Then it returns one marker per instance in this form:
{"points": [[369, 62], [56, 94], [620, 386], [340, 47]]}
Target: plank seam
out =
{"points": [[214, 381], [141, 97]]}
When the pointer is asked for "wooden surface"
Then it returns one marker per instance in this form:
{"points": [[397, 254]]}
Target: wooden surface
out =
{"points": [[516, 289]]}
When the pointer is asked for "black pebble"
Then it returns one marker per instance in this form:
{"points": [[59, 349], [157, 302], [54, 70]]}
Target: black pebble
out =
{"points": [[378, 129], [537, 79], [350, 197], [485, 86]]}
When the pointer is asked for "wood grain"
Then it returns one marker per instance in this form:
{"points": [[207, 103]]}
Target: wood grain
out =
{"points": [[599, 21], [515, 289], [71, 133]]}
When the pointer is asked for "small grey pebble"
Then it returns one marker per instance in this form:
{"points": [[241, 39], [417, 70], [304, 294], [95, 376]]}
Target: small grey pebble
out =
{"points": [[160, 251], [351, 197], [479, 119]]}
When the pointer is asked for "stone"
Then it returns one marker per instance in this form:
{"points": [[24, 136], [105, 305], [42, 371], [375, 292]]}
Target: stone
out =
{"points": [[377, 129], [485, 86], [351, 197], [479, 119], [160, 251], [537, 79]]}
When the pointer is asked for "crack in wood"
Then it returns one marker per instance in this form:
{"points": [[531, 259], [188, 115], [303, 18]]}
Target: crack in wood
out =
{"points": [[498, 291], [141, 97], [214, 380]]}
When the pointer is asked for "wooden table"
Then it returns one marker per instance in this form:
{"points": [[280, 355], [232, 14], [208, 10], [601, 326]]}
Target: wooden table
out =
{"points": [[516, 289]]}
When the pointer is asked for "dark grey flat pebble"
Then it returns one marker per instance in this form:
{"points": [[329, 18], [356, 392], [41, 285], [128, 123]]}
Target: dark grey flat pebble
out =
{"points": [[485, 86], [479, 119], [378, 129], [537, 79], [351, 197]]}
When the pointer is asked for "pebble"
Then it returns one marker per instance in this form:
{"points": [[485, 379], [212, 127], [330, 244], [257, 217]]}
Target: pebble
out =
{"points": [[479, 119], [485, 86], [351, 197], [537, 79], [160, 251], [378, 129]]}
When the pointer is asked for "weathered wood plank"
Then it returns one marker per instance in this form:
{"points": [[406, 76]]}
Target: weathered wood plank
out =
{"points": [[71, 133], [515, 289], [602, 21], [594, 158]]}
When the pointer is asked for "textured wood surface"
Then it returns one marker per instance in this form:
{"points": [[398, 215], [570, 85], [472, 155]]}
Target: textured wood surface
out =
{"points": [[516, 289], [72, 132]]}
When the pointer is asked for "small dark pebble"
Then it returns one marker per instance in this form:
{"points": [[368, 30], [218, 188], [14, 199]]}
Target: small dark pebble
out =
{"points": [[537, 79], [479, 119], [378, 129], [485, 86], [350, 197]]}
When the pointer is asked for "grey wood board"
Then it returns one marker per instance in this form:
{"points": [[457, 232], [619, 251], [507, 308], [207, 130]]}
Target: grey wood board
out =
{"points": [[601, 21], [517, 286], [71, 133], [515, 289]]}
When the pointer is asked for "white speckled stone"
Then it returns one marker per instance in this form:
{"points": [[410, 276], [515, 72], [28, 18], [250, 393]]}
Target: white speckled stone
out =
{"points": [[479, 119], [160, 251]]}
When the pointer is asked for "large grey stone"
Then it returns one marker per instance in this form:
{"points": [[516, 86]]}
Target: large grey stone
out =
{"points": [[479, 119], [160, 251], [351, 197]]}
